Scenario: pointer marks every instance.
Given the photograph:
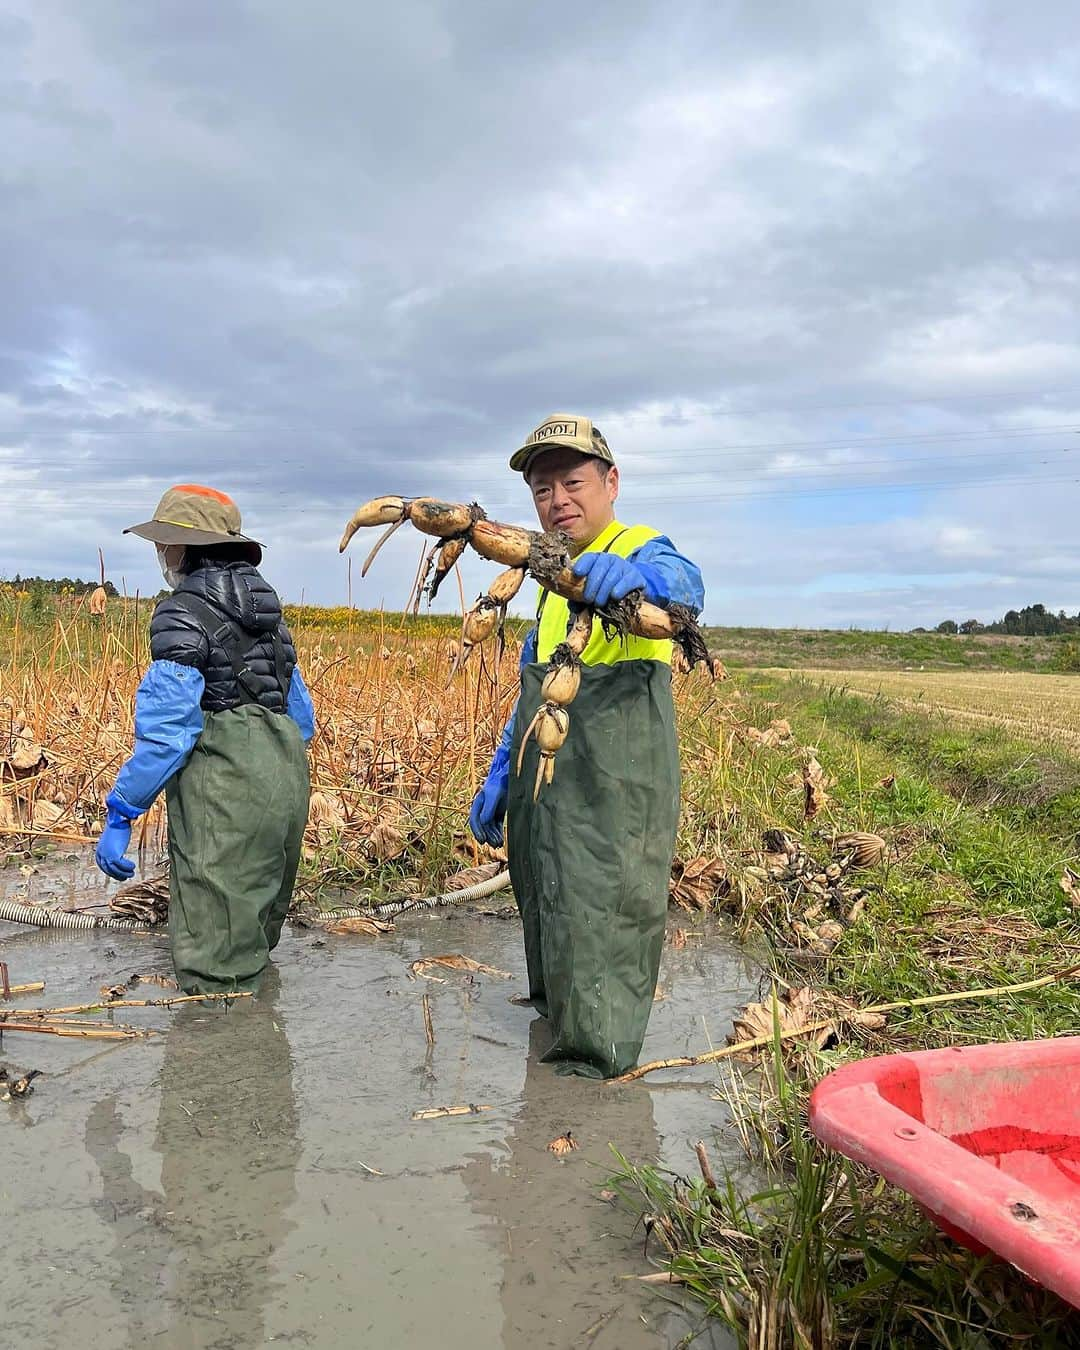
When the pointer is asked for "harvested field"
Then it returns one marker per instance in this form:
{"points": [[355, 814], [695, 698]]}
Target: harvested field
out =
{"points": [[1034, 707]]}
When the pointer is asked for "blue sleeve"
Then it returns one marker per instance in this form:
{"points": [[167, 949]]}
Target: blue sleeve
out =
{"points": [[670, 578], [168, 722], [299, 707]]}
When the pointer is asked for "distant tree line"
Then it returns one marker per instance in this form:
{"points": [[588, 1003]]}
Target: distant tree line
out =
{"points": [[1031, 621], [59, 586]]}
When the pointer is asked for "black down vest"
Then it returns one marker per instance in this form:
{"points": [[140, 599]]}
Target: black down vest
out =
{"points": [[236, 591]]}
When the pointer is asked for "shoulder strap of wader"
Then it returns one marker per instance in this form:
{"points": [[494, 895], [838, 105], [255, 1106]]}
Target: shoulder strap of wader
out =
{"points": [[236, 644], [283, 680], [606, 549]]}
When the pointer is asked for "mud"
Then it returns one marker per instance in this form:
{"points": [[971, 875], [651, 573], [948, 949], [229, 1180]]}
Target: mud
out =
{"points": [[252, 1177]]}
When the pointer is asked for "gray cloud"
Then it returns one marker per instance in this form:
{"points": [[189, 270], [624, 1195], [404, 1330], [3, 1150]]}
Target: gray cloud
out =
{"points": [[315, 254]]}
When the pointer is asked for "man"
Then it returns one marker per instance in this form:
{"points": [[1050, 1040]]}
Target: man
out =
{"points": [[591, 858], [221, 719]]}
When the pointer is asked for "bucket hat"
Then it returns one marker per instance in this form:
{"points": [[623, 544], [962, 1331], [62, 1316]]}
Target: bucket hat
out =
{"points": [[191, 514]]}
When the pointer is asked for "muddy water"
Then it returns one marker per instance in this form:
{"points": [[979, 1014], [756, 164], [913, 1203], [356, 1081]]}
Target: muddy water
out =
{"points": [[253, 1177]]}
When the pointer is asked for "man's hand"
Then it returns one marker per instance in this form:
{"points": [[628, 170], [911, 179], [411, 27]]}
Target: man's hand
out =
{"points": [[489, 804], [608, 577]]}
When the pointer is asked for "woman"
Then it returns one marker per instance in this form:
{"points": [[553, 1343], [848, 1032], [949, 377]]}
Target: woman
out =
{"points": [[221, 720]]}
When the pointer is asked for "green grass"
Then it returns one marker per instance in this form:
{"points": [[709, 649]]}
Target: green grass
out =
{"points": [[980, 827], [1003, 807], [859, 649], [804, 1250]]}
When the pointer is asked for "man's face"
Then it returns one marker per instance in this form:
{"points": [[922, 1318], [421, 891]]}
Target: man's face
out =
{"points": [[571, 494]]}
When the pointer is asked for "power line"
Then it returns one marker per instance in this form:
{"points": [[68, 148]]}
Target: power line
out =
{"points": [[840, 442], [812, 470], [842, 488], [936, 400], [855, 466], [834, 441], [764, 485], [118, 492], [76, 455]]}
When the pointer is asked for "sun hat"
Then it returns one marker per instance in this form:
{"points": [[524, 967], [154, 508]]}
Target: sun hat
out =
{"points": [[191, 514]]}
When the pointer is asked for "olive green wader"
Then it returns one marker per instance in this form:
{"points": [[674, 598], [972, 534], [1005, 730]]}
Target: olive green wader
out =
{"points": [[590, 861], [237, 811]]}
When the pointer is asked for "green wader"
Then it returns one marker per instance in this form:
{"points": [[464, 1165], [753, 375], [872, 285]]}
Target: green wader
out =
{"points": [[590, 861], [237, 811]]}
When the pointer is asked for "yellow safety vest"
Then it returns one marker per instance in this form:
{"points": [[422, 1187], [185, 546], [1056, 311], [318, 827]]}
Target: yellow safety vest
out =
{"points": [[553, 612]]}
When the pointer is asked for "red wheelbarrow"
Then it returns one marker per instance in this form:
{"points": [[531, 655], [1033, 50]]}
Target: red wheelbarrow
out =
{"points": [[985, 1137]]}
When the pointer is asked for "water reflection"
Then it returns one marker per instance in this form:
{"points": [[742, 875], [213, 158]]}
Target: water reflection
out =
{"points": [[556, 1237], [194, 1262]]}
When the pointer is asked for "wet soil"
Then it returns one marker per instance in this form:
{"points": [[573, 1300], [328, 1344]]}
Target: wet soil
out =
{"points": [[252, 1176]]}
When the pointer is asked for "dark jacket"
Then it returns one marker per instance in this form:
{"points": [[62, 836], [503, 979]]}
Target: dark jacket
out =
{"points": [[237, 591]]}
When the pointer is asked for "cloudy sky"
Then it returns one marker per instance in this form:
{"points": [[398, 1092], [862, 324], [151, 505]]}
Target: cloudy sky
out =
{"points": [[812, 267]]}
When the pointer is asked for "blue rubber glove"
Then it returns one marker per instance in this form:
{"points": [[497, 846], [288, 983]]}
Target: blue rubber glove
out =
{"points": [[670, 577], [113, 844], [608, 577], [489, 804]]}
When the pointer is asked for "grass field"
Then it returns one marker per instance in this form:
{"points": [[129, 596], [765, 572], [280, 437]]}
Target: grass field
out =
{"points": [[861, 650], [1041, 708]]}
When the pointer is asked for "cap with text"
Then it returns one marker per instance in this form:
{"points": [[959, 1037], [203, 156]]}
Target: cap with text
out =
{"points": [[567, 430]]}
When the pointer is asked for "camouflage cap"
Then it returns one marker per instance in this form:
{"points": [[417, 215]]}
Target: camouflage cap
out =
{"points": [[192, 514], [562, 429]]}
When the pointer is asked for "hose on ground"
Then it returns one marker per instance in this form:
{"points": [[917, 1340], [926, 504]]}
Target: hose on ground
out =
{"points": [[392, 907], [14, 911]]}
